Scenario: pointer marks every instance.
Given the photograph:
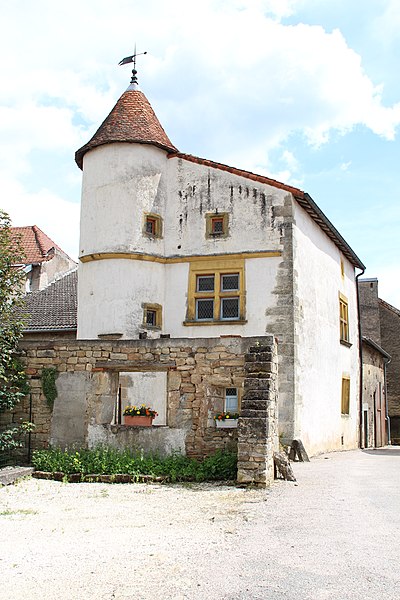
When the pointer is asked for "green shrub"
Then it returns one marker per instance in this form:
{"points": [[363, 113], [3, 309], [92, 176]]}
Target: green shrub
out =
{"points": [[49, 376], [109, 461]]}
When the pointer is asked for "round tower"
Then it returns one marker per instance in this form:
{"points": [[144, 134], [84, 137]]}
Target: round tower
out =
{"points": [[124, 189]]}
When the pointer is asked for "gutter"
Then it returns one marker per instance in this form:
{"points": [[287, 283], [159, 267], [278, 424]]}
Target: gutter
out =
{"points": [[47, 330], [360, 358]]}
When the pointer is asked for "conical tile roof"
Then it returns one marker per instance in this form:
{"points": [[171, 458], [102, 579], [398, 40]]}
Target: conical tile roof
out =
{"points": [[131, 120]]}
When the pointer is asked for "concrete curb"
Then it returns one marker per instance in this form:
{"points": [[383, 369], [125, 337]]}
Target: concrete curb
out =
{"points": [[9, 475]]}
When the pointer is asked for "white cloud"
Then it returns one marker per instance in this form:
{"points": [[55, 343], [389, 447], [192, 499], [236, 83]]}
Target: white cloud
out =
{"points": [[228, 79], [56, 217]]}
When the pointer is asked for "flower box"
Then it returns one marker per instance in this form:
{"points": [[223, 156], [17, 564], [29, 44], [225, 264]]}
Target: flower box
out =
{"points": [[138, 420], [226, 424]]}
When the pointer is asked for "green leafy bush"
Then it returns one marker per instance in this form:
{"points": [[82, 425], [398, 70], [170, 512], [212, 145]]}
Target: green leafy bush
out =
{"points": [[49, 376], [109, 461]]}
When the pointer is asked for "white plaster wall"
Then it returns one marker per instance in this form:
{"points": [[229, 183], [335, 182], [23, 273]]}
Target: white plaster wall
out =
{"points": [[149, 388], [321, 359], [120, 183], [260, 278], [111, 293], [194, 190]]}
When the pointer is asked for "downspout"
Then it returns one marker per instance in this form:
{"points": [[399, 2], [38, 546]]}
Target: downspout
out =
{"points": [[360, 357], [389, 440]]}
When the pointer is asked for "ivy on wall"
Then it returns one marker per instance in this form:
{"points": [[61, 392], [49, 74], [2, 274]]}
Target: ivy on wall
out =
{"points": [[49, 376]]}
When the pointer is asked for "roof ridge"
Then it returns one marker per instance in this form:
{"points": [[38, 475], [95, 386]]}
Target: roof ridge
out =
{"points": [[240, 172], [303, 198], [36, 230], [389, 306]]}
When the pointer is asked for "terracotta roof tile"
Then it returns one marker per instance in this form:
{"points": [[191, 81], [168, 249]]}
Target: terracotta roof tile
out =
{"points": [[35, 244], [55, 307], [131, 120]]}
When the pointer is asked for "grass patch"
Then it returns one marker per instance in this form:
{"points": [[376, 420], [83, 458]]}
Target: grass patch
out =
{"points": [[221, 466], [22, 511]]}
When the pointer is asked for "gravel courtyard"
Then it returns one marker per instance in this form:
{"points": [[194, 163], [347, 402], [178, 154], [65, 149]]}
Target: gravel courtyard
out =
{"points": [[332, 535]]}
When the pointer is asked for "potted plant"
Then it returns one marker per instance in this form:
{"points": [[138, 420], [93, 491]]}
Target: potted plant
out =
{"points": [[226, 420], [139, 416]]}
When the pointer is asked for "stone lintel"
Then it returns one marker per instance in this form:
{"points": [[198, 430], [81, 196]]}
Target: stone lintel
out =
{"points": [[135, 365]]}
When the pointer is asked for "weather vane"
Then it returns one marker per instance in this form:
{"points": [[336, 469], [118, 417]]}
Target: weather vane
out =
{"points": [[132, 59]]}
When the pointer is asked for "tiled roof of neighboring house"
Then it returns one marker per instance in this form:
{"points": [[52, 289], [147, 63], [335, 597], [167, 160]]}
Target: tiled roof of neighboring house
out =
{"points": [[36, 245], [53, 308], [131, 120], [302, 198], [389, 306]]}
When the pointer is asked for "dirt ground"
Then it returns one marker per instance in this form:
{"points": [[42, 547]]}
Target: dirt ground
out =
{"points": [[332, 535]]}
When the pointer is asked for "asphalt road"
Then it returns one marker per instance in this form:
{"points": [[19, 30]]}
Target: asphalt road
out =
{"points": [[332, 535]]}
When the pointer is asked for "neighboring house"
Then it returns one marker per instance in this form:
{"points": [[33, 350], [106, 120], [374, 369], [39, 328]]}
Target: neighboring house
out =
{"points": [[176, 246], [381, 323], [44, 260], [51, 312], [374, 422]]}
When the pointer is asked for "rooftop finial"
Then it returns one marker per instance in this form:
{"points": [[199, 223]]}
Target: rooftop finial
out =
{"points": [[130, 59]]}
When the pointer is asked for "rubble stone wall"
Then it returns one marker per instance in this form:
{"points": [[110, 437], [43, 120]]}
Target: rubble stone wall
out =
{"points": [[198, 371]]}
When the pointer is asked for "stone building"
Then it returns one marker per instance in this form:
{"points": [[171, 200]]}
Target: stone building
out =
{"points": [[44, 260], [381, 323], [374, 421], [179, 247]]}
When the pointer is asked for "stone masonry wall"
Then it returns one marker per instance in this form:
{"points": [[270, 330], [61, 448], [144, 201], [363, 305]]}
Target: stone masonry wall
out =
{"points": [[258, 425], [197, 373], [390, 331]]}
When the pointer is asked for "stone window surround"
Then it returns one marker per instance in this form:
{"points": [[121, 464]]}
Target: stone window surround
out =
{"points": [[157, 308], [217, 267], [156, 220], [345, 395], [344, 319], [210, 232]]}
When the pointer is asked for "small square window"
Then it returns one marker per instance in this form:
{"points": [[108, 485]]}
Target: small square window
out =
{"points": [[205, 283], [204, 309], [217, 225], [230, 282], [229, 308], [151, 317], [152, 226], [231, 400]]}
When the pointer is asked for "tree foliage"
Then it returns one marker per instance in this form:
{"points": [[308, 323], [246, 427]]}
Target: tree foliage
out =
{"points": [[13, 383]]}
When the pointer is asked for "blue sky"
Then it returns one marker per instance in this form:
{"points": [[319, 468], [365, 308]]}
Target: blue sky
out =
{"points": [[305, 91]]}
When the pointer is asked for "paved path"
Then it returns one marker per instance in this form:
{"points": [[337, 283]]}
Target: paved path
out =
{"points": [[334, 535]]}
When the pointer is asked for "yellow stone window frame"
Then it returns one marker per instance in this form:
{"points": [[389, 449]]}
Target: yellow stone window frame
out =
{"points": [[211, 218], [344, 318], [157, 225], [216, 268], [154, 308], [345, 401]]}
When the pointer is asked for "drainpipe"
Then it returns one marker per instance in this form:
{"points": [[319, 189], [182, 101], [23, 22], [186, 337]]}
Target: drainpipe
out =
{"points": [[360, 355], [389, 440]]}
